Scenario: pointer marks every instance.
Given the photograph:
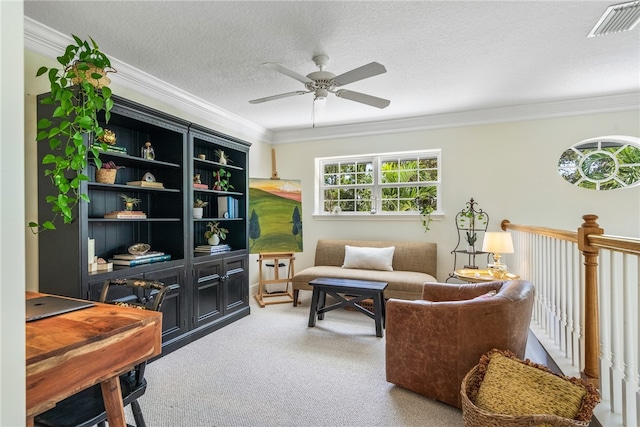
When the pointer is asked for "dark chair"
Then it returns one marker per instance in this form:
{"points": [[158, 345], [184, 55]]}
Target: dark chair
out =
{"points": [[86, 408]]}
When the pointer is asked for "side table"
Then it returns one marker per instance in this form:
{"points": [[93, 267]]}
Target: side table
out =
{"points": [[473, 275]]}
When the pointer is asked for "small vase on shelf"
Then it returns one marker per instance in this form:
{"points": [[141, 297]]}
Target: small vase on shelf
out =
{"points": [[213, 240], [147, 151]]}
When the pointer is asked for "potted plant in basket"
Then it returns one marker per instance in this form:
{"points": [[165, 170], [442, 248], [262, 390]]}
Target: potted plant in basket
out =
{"points": [[198, 208], [215, 233], [79, 92], [107, 173]]}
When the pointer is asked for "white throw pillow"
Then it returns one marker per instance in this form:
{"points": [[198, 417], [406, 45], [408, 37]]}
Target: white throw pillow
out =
{"points": [[368, 258]]}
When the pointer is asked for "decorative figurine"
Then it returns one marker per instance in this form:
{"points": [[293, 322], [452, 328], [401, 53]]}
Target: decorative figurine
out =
{"points": [[147, 151], [109, 137], [196, 179]]}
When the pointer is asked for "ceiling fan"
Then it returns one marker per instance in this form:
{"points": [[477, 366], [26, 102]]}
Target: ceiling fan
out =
{"points": [[322, 82]]}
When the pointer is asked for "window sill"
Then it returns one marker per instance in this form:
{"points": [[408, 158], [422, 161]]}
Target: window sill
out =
{"points": [[373, 217]]}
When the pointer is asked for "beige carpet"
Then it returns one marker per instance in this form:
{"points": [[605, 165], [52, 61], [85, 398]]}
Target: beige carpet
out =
{"points": [[270, 369]]}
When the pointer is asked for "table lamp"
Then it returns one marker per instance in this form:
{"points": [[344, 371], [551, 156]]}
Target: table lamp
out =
{"points": [[497, 242]]}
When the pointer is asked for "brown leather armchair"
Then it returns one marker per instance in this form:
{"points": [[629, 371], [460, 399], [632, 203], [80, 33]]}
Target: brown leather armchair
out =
{"points": [[432, 343]]}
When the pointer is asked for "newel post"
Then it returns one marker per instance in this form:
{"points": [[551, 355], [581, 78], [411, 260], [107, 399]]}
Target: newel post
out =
{"points": [[591, 318]]}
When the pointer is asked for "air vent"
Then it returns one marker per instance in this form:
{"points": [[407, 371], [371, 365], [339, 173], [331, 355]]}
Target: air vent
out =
{"points": [[617, 18]]}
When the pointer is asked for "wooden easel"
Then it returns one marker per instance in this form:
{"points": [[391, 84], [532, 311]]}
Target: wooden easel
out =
{"points": [[274, 170], [275, 257]]}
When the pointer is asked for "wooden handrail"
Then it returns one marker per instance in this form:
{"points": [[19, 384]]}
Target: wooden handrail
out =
{"points": [[616, 243], [570, 236]]}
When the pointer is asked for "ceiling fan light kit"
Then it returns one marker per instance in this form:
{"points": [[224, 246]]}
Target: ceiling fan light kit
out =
{"points": [[322, 82]]}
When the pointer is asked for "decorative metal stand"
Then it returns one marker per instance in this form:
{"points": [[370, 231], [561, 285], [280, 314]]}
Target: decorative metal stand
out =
{"points": [[470, 222]]}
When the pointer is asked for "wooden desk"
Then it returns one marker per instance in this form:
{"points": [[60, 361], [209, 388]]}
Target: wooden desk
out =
{"points": [[70, 352]]}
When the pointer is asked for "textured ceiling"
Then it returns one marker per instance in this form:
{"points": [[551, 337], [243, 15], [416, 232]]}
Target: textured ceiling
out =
{"points": [[441, 56]]}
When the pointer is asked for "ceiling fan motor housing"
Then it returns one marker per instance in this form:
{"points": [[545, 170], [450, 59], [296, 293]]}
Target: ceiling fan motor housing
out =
{"points": [[322, 83]]}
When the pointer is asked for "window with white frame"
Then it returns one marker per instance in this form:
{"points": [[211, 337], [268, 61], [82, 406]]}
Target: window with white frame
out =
{"points": [[388, 183], [602, 163]]}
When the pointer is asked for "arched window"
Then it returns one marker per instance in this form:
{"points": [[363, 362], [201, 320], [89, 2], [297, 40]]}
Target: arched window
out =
{"points": [[603, 163]]}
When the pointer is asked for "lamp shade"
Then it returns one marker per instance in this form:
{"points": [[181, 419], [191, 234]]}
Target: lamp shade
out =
{"points": [[497, 242]]}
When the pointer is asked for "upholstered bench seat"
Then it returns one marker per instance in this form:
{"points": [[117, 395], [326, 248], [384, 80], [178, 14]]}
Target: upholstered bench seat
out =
{"points": [[414, 263]]}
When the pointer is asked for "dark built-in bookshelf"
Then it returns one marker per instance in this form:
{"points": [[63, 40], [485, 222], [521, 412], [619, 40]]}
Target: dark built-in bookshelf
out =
{"points": [[208, 291]]}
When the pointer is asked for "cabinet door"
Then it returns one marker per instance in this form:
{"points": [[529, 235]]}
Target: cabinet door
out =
{"points": [[236, 292], [175, 317], [207, 290]]}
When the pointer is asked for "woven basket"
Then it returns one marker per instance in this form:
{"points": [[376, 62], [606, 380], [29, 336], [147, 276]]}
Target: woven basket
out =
{"points": [[106, 176], [476, 417], [82, 75]]}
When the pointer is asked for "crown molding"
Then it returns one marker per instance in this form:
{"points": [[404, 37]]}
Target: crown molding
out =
{"points": [[543, 110], [48, 42]]}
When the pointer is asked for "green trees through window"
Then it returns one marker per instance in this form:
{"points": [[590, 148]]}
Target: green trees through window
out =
{"points": [[387, 183], [605, 163]]}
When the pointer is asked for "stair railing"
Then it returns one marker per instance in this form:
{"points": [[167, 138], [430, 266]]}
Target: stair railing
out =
{"points": [[586, 307]]}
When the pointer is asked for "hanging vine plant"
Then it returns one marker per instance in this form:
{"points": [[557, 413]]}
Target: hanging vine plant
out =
{"points": [[79, 93], [426, 206]]}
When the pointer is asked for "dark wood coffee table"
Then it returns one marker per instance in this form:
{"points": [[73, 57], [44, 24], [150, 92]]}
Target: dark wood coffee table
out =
{"points": [[358, 289]]}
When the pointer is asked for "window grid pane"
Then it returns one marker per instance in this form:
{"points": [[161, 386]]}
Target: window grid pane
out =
{"points": [[347, 184]]}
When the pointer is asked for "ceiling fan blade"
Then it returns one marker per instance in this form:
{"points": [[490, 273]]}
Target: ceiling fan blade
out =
{"points": [[363, 98], [360, 73], [279, 68], [282, 95]]}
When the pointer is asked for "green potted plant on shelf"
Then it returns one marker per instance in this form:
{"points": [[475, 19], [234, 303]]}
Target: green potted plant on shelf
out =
{"points": [[198, 208], [215, 233], [223, 158], [79, 91], [471, 237], [129, 202], [222, 179]]}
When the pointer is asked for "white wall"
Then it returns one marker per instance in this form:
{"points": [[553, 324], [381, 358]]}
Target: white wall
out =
{"points": [[510, 169], [12, 197]]}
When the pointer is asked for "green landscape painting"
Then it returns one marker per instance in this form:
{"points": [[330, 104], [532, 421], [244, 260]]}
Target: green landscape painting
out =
{"points": [[275, 215]]}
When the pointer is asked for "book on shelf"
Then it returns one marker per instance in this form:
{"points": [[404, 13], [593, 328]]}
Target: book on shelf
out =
{"points": [[134, 262], [227, 207], [110, 148], [149, 184], [200, 186], [125, 215], [212, 249], [132, 257]]}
